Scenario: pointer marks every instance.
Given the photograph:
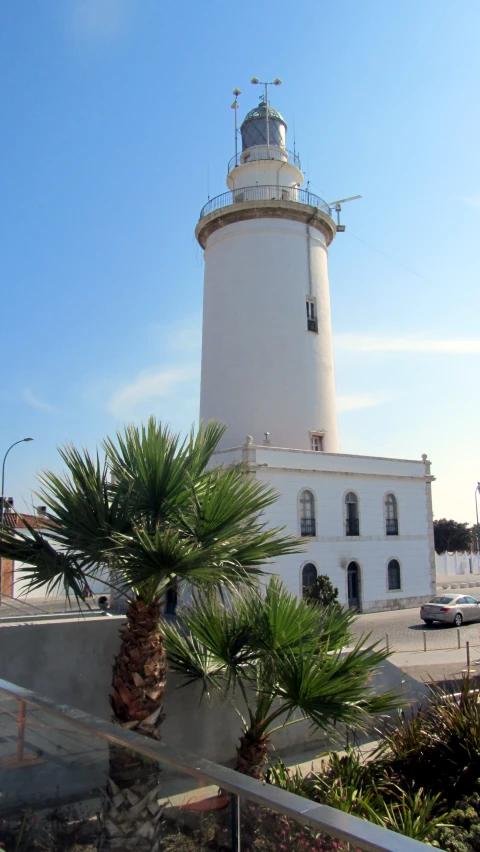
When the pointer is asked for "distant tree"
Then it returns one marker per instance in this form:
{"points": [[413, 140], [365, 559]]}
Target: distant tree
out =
{"points": [[452, 536], [475, 538], [322, 593]]}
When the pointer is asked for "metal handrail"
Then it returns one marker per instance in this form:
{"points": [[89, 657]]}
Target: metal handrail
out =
{"points": [[262, 152], [370, 837], [264, 193]]}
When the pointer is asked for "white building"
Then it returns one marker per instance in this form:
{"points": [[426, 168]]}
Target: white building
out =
{"points": [[268, 373]]}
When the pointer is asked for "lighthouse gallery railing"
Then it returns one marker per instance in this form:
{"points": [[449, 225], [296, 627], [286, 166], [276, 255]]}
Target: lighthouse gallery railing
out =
{"points": [[264, 193]]}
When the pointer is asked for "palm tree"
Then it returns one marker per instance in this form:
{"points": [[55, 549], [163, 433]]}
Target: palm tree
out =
{"points": [[282, 657], [149, 513]]}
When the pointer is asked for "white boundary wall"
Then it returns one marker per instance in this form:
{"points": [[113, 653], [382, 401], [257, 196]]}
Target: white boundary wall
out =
{"points": [[450, 564]]}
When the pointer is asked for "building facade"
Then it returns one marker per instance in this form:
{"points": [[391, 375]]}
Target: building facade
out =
{"points": [[268, 373]]}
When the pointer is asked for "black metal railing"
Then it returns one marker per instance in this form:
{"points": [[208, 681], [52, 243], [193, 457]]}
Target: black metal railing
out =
{"points": [[392, 526], [352, 526], [307, 526], [261, 152], [264, 193]]}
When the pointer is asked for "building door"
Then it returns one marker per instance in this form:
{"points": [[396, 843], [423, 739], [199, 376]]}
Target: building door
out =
{"points": [[171, 600], [353, 583]]}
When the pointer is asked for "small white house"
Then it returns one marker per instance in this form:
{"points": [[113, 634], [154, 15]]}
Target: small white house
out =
{"points": [[366, 522]]}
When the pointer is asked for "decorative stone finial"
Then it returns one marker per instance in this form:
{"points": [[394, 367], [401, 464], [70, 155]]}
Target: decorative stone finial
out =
{"points": [[248, 440]]}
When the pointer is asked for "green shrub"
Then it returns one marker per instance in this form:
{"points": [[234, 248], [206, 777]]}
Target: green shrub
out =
{"points": [[439, 749], [463, 831], [322, 592]]}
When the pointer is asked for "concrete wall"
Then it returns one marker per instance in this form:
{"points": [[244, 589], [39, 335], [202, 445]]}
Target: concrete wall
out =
{"points": [[71, 662]]}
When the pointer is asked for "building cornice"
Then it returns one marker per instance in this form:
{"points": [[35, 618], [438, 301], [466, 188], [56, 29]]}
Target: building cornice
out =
{"points": [[270, 209]]}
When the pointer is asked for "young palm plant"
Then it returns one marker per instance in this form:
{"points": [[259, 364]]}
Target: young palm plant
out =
{"points": [[149, 513], [282, 657]]}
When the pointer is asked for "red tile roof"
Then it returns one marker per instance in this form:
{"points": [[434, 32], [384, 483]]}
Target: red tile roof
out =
{"points": [[11, 519]]}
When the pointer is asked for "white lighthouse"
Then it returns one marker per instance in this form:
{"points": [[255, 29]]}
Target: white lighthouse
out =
{"points": [[267, 353], [267, 372]]}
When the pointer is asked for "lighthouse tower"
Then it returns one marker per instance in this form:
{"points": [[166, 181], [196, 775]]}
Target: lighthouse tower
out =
{"points": [[267, 353]]}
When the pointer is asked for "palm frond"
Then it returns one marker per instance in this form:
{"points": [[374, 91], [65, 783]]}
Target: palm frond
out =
{"points": [[42, 565], [331, 688]]}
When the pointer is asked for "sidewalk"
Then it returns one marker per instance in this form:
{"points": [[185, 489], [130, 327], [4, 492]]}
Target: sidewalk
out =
{"points": [[437, 665]]}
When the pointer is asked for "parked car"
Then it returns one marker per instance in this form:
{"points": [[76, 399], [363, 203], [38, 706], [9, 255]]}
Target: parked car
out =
{"points": [[451, 609]]}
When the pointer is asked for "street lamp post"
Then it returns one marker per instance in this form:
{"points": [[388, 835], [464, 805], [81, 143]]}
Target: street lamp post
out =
{"points": [[477, 491], [2, 499]]}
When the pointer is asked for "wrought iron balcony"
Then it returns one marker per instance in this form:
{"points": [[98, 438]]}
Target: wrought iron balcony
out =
{"points": [[392, 526], [262, 152], [352, 526], [264, 193], [307, 526]]}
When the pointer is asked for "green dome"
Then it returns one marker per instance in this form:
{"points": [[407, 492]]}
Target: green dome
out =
{"points": [[260, 111]]}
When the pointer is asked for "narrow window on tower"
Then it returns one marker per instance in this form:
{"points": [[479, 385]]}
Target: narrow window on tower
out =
{"points": [[311, 314], [316, 441]]}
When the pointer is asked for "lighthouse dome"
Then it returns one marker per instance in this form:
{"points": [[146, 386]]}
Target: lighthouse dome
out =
{"points": [[254, 127]]}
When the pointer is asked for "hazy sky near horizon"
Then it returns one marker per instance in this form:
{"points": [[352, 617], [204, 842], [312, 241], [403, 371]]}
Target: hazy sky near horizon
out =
{"points": [[117, 127]]}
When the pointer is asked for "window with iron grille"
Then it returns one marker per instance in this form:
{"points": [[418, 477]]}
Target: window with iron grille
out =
{"points": [[307, 514], [309, 576], [394, 576], [352, 525], [391, 515], [311, 314]]}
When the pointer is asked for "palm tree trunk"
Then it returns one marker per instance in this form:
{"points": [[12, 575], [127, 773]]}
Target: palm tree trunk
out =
{"points": [[139, 672], [252, 752], [130, 817]]}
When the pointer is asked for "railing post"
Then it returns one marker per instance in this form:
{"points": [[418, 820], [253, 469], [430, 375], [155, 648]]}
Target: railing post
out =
{"points": [[424, 640], [235, 823], [387, 643], [21, 730]]}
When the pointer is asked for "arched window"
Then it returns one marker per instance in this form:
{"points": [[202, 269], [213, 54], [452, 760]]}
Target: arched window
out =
{"points": [[352, 526], [309, 575], [391, 515], [307, 513], [394, 576]]}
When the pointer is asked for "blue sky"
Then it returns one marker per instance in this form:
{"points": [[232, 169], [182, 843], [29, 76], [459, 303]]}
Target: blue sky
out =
{"points": [[116, 128]]}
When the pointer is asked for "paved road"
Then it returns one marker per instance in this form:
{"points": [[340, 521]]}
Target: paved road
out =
{"points": [[406, 630]]}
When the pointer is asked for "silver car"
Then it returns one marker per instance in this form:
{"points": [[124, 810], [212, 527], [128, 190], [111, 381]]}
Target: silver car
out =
{"points": [[451, 609]]}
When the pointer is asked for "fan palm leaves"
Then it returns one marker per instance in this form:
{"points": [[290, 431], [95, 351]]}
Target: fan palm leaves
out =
{"points": [[282, 657], [150, 512]]}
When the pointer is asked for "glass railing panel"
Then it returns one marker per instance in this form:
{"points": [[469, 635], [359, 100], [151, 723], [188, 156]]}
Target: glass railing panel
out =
{"points": [[265, 830], [63, 787]]}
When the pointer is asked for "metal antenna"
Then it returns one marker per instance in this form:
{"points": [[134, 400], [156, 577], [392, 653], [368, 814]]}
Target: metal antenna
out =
{"points": [[236, 92], [337, 206]]}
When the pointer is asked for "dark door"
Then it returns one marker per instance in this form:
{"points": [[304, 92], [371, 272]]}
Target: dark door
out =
{"points": [[171, 601], [353, 581]]}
